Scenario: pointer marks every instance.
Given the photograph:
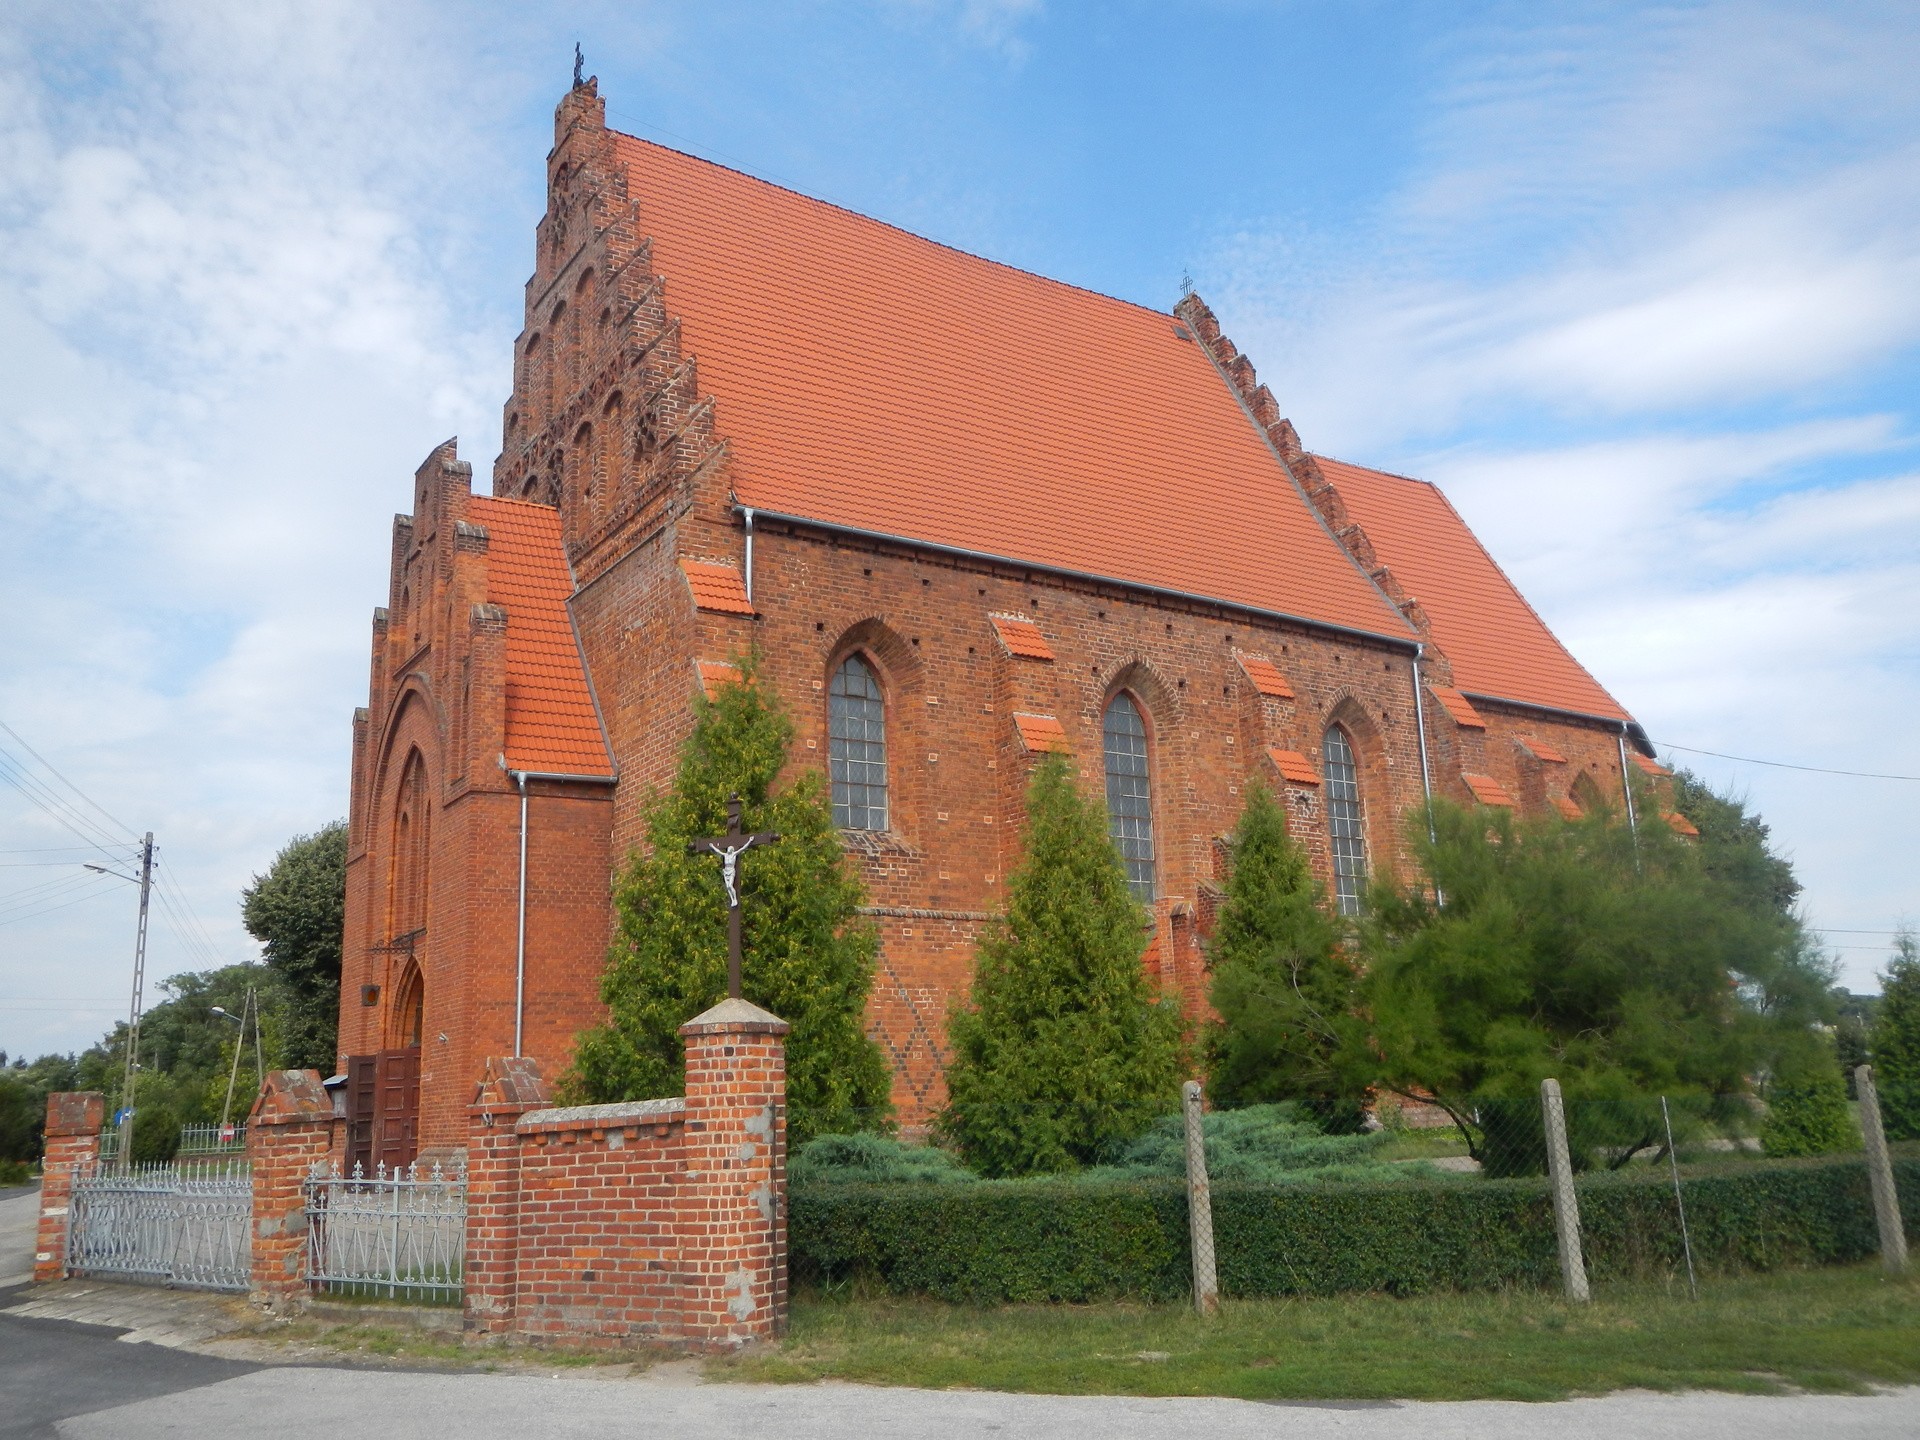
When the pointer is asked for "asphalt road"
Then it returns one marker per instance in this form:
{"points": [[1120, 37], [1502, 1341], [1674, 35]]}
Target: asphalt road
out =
{"points": [[50, 1370]]}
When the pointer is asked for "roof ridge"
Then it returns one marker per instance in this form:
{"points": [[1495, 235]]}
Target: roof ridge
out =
{"points": [[848, 210]]}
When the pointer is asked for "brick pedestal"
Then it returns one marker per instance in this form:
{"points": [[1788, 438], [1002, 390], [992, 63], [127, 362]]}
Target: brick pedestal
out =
{"points": [[74, 1118], [509, 1088], [732, 1218], [289, 1136]]}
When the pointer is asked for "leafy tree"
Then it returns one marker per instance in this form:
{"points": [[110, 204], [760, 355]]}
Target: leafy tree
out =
{"points": [[1896, 1041], [1733, 846], [1807, 1108], [1061, 1053], [1282, 983], [808, 955], [297, 911], [1623, 966]]}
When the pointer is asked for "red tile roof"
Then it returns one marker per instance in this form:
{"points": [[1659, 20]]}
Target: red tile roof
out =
{"points": [[1458, 706], [1499, 645], [1042, 734], [717, 587], [869, 378], [1652, 767], [1540, 750], [1266, 676], [551, 722], [715, 673], [1294, 767], [1487, 790], [1021, 637], [1568, 807]]}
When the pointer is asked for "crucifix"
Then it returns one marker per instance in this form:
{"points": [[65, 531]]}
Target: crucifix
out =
{"points": [[730, 847]]}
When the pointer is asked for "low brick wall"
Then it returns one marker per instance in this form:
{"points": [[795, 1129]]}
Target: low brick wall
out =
{"points": [[652, 1220]]}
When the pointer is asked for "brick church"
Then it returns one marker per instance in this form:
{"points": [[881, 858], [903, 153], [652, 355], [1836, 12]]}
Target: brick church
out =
{"points": [[968, 516]]}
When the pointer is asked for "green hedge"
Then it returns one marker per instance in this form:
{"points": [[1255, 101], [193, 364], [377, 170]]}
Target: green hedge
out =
{"points": [[1061, 1240]]}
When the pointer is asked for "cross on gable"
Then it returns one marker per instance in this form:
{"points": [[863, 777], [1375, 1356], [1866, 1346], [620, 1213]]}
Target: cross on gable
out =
{"points": [[730, 847]]}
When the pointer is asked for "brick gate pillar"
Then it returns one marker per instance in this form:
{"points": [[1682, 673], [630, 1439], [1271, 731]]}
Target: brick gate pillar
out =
{"points": [[509, 1088], [74, 1118], [732, 1217], [289, 1135]]}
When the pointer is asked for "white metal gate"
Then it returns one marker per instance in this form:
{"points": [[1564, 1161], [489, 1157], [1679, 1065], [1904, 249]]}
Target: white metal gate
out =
{"points": [[399, 1234], [188, 1226]]}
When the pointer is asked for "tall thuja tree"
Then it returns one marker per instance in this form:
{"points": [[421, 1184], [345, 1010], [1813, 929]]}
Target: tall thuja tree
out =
{"points": [[1282, 983], [297, 911], [1062, 1053], [1896, 1041], [1623, 966], [809, 956]]}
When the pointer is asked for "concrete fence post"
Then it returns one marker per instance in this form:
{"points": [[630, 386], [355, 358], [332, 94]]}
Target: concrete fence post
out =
{"points": [[74, 1118], [1566, 1205], [289, 1136], [1206, 1280], [1886, 1200], [509, 1088], [732, 1222]]}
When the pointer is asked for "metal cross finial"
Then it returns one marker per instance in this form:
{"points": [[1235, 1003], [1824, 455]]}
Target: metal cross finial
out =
{"points": [[730, 847], [579, 63]]}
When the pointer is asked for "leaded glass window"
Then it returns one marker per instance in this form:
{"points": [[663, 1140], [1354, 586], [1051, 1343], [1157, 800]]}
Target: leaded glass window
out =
{"points": [[857, 747], [1344, 824], [1129, 796]]}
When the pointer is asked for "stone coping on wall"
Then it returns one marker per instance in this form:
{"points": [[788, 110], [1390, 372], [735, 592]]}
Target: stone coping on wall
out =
{"points": [[623, 1115], [737, 1015]]}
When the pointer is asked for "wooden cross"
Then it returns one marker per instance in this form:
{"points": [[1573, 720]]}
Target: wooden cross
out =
{"points": [[730, 847]]}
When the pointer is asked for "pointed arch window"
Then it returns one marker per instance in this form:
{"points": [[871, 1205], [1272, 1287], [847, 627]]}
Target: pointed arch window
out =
{"points": [[1130, 793], [857, 746], [1345, 825]]}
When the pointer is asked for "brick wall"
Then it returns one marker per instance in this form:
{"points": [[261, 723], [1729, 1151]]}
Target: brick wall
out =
{"points": [[654, 1220], [73, 1148]]}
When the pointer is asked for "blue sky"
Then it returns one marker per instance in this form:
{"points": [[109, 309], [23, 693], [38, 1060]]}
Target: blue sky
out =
{"points": [[1638, 285]]}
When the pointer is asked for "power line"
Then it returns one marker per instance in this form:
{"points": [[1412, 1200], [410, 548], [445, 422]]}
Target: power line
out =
{"points": [[35, 914], [15, 773], [1784, 765], [85, 799]]}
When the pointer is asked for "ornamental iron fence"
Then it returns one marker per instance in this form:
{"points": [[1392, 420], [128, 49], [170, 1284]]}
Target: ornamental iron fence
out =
{"points": [[163, 1225], [398, 1234]]}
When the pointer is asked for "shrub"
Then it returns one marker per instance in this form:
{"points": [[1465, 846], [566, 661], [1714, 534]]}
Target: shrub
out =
{"points": [[1054, 1240], [1265, 1144], [870, 1159], [1062, 1053], [1807, 1110]]}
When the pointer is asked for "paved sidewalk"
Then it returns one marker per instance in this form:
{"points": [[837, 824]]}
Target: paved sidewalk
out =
{"points": [[431, 1406], [149, 1315]]}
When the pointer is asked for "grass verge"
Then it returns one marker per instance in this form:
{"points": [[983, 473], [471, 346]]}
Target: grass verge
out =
{"points": [[1833, 1330]]}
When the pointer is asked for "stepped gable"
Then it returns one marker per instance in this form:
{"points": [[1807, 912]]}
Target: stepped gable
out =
{"points": [[1498, 646], [871, 379], [551, 723]]}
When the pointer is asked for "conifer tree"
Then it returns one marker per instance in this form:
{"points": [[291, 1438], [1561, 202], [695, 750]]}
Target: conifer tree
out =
{"points": [[1896, 1041], [1062, 1053], [808, 955], [1281, 983]]}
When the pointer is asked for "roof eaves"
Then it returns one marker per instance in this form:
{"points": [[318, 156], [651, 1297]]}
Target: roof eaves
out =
{"points": [[1408, 641]]}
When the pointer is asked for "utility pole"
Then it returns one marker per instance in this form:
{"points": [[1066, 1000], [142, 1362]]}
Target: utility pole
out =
{"points": [[133, 1016]]}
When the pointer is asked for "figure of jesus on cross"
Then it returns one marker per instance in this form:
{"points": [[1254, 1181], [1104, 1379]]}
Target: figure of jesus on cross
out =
{"points": [[730, 847]]}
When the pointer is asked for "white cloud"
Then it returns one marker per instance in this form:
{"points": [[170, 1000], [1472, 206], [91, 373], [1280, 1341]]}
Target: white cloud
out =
{"points": [[1626, 314]]}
